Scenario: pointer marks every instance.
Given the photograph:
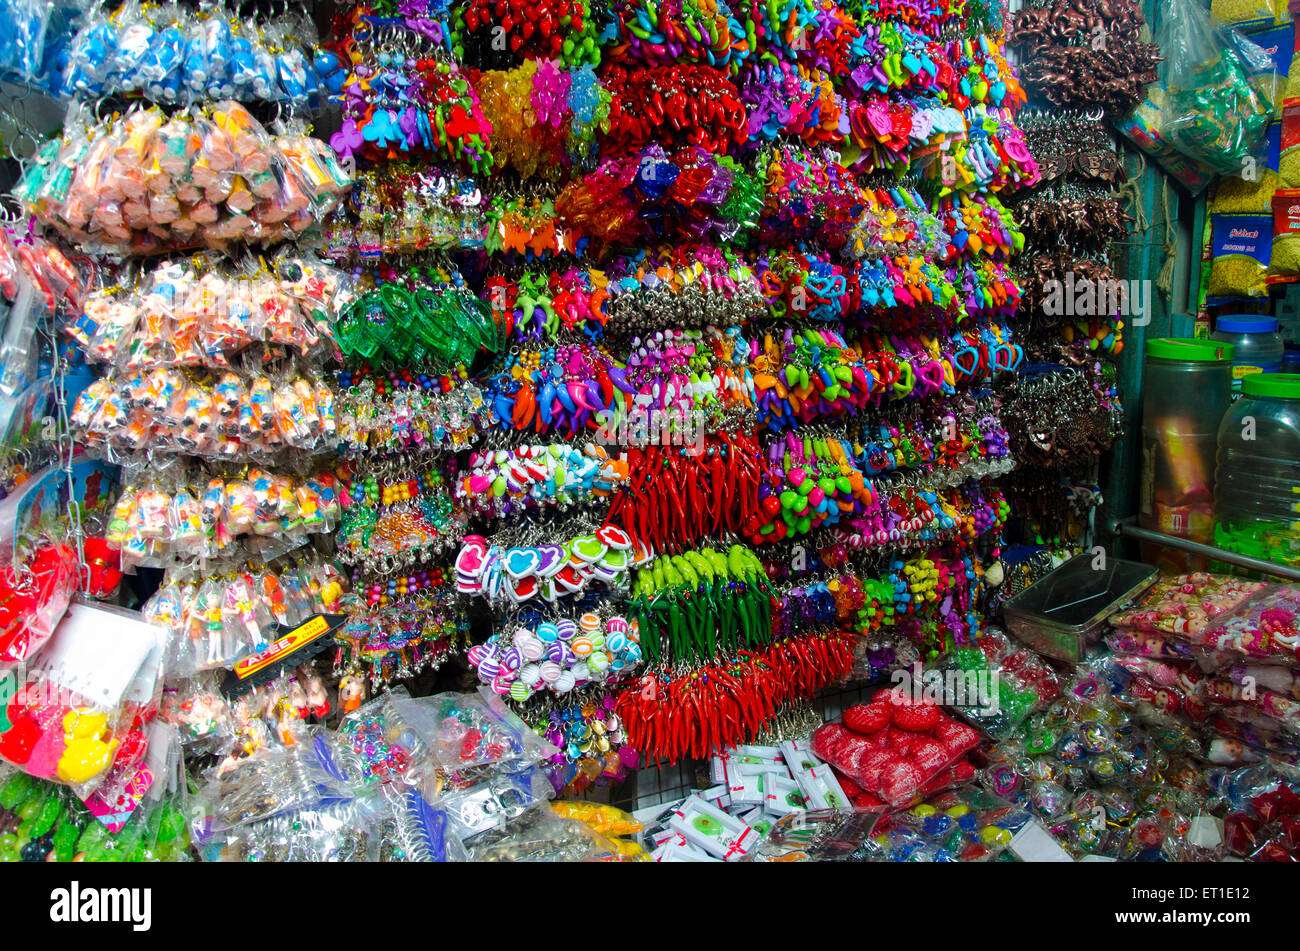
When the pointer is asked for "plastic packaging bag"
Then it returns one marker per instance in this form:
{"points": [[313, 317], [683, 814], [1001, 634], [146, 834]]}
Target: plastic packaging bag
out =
{"points": [[493, 798], [270, 782], [1001, 683], [36, 585], [897, 748], [539, 835], [607, 820], [376, 745], [81, 707], [967, 825], [1185, 605], [343, 830], [1215, 113], [465, 730], [1264, 627]]}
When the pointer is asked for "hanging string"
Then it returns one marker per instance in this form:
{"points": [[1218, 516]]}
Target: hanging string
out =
{"points": [[1130, 193], [1165, 281]]}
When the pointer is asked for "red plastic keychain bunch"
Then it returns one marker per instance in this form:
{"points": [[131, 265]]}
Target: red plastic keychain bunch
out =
{"points": [[721, 706], [677, 496], [33, 597], [674, 105]]}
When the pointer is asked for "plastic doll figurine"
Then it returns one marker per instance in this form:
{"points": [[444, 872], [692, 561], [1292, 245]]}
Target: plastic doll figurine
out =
{"points": [[351, 693]]}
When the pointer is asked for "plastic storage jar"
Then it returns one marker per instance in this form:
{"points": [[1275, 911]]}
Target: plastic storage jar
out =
{"points": [[1186, 389], [1257, 500], [1256, 345]]}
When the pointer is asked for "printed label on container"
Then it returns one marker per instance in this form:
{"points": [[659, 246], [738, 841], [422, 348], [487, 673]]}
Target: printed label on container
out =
{"points": [[1284, 260], [1241, 246], [1278, 42]]}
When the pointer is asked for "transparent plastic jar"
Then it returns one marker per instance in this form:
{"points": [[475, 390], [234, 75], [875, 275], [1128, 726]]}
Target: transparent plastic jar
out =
{"points": [[1186, 388], [1257, 493], [1257, 346]]}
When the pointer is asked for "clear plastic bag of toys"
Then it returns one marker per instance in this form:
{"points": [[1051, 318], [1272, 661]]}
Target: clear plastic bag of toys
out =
{"points": [[217, 615], [612, 827], [58, 284], [375, 744], [416, 827], [1261, 807], [208, 617], [1253, 688], [235, 415], [538, 834], [173, 511], [271, 781], [1150, 644], [1078, 743], [47, 822], [1160, 693], [207, 177], [467, 730], [1265, 626], [818, 835], [199, 712], [336, 830], [605, 819], [965, 825], [485, 798], [897, 748], [22, 37], [285, 707], [81, 706], [38, 572], [997, 683], [1185, 605], [20, 345]]}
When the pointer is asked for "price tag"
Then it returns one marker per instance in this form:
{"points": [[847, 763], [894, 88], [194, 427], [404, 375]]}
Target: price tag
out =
{"points": [[97, 651], [1033, 843]]}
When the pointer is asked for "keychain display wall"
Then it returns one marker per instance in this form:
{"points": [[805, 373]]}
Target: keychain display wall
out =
{"points": [[514, 398], [1082, 69]]}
